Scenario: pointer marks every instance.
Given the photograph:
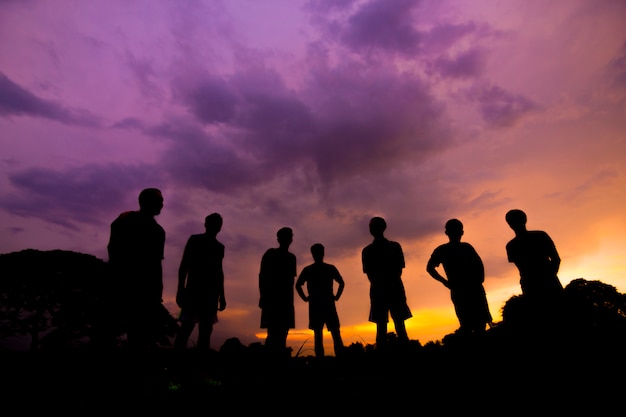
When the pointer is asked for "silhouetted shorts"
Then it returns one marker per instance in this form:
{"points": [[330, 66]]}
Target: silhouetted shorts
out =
{"points": [[390, 300], [190, 316], [323, 314]]}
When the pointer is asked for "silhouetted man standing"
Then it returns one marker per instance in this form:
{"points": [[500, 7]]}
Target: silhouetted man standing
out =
{"points": [[534, 254], [383, 262], [465, 274], [319, 278], [136, 248], [200, 291], [276, 287]]}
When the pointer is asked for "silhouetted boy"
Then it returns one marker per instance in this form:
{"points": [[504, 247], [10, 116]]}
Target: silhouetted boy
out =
{"points": [[534, 254], [200, 291], [465, 274], [276, 287], [135, 249], [383, 262], [319, 278]]}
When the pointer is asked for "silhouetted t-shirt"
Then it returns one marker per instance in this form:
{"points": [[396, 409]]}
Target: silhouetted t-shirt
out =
{"points": [[532, 252], [202, 260], [136, 248], [461, 263], [465, 273], [276, 287]]}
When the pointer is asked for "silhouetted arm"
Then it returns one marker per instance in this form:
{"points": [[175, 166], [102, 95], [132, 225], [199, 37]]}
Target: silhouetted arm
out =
{"points": [[183, 268], [431, 268], [299, 283], [340, 285], [222, 297], [555, 259]]}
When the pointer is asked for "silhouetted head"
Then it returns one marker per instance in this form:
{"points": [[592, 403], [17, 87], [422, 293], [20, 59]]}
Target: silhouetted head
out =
{"points": [[454, 229], [151, 201], [377, 226], [516, 220], [284, 236], [213, 223], [317, 250]]}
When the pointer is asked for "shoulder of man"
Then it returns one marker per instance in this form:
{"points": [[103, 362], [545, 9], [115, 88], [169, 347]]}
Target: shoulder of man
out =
{"points": [[124, 217]]}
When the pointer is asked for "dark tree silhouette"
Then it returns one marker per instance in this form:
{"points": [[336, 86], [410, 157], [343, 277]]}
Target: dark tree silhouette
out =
{"points": [[49, 295], [58, 299]]}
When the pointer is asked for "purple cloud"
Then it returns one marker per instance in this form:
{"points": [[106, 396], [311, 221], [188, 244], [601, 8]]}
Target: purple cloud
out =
{"points": [[383, 25], [76, 195], [467, 64], [500, 108], [17, 101], [211, 101], [617, 69], [197, 159]]}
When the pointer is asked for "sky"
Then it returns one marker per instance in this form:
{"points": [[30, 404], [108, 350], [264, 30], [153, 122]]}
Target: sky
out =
{"points": [[319, 115]]}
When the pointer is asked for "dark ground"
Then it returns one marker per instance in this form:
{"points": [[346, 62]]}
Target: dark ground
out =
{"points": [[459, 376]]}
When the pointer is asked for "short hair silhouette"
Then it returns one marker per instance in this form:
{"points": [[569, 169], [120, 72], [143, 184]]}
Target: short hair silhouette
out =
{"points": [[454, 227], [284, 232], [317, 249], [516, 218], [378, 224], [214, 222], [149, 196]]}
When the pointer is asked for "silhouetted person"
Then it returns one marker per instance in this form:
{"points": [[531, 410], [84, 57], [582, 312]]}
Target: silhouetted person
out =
{"points": [[319, 278], [383, 262], [276, 287], [200, 291], [534, 254], [136, 248], [465, 274]]}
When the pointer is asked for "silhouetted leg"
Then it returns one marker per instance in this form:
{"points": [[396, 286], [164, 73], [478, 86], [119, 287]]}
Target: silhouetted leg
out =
{"points": [[182, 337], [276, 340], [381, 334], [337, 341], [319, 342], [281, 338], [401, 331], [139, 328], [205, 328]]}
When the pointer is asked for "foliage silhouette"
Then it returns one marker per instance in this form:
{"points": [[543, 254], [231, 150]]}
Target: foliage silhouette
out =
{"points": [[59, 299]]}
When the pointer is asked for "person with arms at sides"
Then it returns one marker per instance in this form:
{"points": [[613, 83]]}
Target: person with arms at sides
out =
{"points": [[276, 287], [200, 293], [136, 249], [319, 278], [465, 274], [383, 262]]}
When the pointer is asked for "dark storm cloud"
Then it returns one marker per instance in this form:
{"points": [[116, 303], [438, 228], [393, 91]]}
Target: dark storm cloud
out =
{"points": [[385, 25], [498, 107], [17, 101], [75, 195]]}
